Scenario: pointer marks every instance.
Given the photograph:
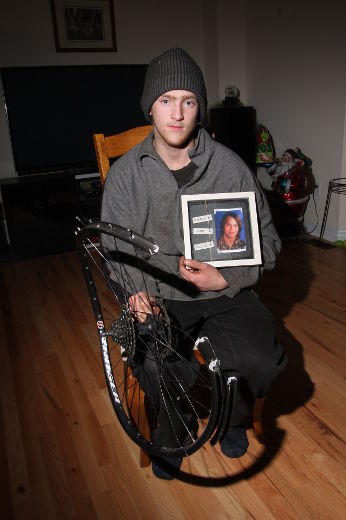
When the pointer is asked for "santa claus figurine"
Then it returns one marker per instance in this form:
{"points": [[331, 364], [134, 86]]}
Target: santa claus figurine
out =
{"points": [[288, 160]]}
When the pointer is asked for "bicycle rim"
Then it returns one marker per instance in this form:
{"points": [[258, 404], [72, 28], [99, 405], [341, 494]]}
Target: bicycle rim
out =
{"points": [[165, 400]]}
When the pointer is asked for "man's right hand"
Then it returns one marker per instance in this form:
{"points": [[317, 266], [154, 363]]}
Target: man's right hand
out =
{"points": [[141, 304]]}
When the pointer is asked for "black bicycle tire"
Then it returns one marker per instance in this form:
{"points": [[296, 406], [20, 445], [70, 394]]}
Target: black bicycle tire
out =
{"points": [[216, 379]]}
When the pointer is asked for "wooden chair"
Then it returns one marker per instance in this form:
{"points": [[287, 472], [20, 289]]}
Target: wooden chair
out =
{"points": [[107, 148], [114, 146]]}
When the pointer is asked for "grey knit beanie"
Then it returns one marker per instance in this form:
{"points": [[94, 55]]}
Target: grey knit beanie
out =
{"points": [[173, 70]]}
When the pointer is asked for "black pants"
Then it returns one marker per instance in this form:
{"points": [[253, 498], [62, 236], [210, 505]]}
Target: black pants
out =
{"points": [[241, 332]]}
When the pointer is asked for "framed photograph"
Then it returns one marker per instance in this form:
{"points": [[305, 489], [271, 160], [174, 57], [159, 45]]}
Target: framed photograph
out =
{"points": [[221, 229], [83, 25]]}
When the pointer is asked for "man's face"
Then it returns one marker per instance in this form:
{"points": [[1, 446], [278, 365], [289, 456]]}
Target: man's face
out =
{"points": [[174, 116], [230, 229]]}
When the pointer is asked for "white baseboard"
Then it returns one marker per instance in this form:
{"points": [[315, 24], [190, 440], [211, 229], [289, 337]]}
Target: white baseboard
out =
{"points": [[329, 234]]}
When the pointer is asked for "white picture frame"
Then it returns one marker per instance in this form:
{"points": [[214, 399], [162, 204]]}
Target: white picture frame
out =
{"points": [[204, 219]]}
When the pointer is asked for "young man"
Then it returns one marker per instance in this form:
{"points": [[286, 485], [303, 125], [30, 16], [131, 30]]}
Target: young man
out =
{"points": [[143, 191]]}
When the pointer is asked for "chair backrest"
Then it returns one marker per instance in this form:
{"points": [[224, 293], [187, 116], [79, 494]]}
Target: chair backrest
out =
{"points": [[116, 145]]}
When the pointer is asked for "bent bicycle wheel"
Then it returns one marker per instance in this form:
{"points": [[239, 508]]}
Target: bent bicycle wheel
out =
{"points": [[166, 400]]}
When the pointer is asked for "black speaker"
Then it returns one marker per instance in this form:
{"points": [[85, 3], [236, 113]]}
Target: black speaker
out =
{"points": [[235, 127]]}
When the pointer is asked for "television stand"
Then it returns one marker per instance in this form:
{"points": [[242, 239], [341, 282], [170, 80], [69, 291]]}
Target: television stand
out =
{"points": [[39, 212]]}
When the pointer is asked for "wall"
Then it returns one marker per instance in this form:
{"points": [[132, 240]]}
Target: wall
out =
{"points": [[232, 47], [143, 30], [288, 59], [342, 212], [296, 55]]}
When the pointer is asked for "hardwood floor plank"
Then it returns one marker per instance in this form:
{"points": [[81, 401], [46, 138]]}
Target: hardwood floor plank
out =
{"points": [[5, 495], [53, 459], [67, 475], [125, 478], [64, 455], [16, 457]]}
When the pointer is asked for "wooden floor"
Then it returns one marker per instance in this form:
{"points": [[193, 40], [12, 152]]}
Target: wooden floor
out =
{"points": [[64, 456]]}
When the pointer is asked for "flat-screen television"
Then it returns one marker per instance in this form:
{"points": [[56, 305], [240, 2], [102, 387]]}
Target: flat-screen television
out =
{"points": [[54, 111]]}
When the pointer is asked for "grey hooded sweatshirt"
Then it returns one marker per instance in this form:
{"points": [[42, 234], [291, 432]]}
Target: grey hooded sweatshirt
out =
{"points": [[141, 193]]}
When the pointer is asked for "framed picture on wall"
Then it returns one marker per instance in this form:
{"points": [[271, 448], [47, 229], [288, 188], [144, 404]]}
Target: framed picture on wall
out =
{"points": [[83, 25], [221, 229]]}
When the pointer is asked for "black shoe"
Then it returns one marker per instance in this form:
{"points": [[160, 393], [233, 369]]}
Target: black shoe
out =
{"points": [[235, 444], [166, 468]]}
